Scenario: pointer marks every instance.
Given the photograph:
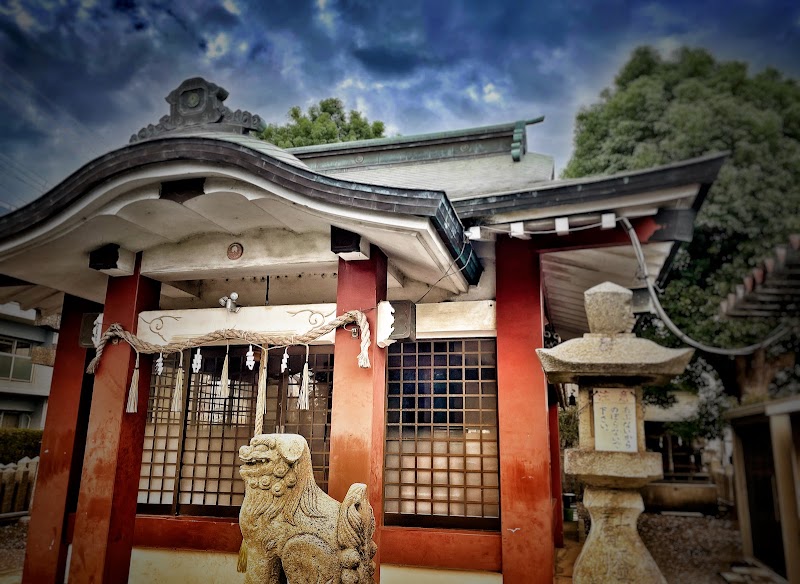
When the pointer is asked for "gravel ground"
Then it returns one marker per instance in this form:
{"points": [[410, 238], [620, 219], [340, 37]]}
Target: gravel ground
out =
{"points": [[688, 549], [12, 545], [691, 549]]}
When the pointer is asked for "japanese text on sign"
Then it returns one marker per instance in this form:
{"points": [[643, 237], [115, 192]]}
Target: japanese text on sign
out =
{"points": [[615, 420]]}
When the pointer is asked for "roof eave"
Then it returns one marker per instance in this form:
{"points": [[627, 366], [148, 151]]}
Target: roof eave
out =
{"points": [[432, 205], [702, 170]]}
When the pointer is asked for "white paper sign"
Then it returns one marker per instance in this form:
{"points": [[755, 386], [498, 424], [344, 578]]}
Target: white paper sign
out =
{"points": [[615, 420]]}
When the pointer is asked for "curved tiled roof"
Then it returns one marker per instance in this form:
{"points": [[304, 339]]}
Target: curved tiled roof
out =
{"points": [[263, 160]]}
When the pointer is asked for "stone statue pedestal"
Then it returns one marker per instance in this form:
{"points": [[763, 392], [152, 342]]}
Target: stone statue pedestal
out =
{"points": [[614, 552]]}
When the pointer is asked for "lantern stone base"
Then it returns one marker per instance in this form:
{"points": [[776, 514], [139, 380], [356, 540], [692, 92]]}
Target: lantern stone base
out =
{"points": [[614, 552], [614, 470]]}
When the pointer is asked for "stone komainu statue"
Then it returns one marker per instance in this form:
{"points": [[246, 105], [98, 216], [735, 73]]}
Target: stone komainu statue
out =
{"points": [[292, 530]]}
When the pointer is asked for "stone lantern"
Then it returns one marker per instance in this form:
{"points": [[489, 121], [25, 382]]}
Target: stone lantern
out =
{"points": [[610, 365]]}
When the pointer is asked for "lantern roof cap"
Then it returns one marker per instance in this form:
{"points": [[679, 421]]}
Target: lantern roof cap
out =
{"points": [[611, 355]]}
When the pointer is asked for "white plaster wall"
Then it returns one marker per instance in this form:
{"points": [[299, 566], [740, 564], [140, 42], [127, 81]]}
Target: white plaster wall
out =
{"points": [[189, 567]]}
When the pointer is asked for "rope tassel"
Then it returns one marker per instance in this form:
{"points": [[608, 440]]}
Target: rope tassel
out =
{"points": [[302, 401], [363, 326], [177, 392], [133, 391], [261, 396], [224, 384]]}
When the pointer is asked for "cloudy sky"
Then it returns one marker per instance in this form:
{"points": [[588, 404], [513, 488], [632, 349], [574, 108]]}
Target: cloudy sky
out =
{"points": [[78, 78]]}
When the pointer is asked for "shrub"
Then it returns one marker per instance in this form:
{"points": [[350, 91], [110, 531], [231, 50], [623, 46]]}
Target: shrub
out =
{"points": [[568, 427], [17, 443]]}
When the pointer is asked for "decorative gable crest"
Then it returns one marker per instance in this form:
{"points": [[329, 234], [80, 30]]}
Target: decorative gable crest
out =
{"points": [[197, 103]]}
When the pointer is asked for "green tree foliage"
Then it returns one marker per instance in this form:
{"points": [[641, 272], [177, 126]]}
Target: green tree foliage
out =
{"points": [[568, 427], [663, 110], [323, 123], [706, 421]]}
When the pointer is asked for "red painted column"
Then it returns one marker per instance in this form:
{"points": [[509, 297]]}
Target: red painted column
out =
{"points": [[46, 549], [358, 415], [526, 511], [101, 547], [555, 477]]}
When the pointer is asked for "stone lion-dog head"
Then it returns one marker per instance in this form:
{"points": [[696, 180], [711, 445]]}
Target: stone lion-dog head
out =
{"points": [[291, 528]]}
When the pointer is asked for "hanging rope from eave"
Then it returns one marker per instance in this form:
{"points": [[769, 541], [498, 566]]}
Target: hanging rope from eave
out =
{"points": [[261, 393], [115, 331]]}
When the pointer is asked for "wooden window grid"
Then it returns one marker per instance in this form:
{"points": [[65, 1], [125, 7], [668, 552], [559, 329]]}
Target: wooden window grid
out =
{"points": [[441, 467], [190, 460]]}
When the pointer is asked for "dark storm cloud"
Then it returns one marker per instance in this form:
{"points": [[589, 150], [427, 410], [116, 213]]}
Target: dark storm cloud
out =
{"points": [[391, 61], [81, 77], [78, 64]]}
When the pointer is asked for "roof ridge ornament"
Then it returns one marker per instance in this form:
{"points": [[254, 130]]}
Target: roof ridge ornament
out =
{"points": [[519, 142], [197, 104]]}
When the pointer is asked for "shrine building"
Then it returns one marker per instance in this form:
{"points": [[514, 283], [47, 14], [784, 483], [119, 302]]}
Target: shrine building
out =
{"points": [[462, 250]]}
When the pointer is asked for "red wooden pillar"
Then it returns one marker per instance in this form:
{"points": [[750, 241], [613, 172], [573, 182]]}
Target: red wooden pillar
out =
{"points": [[358, 414], [101, 547], [46, 549], [555, 476], [525, 490]]}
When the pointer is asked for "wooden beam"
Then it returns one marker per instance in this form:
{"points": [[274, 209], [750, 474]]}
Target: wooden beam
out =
{"points": [[167, 326], [205, 534], [397, 279], [645, 227], [602, 260], [454, 549], [112, 260], [104, 522], [38, 296], [525, 481], [358, 413], [555, 476], [780, 426], [11, 281], [61, 451], [275, 251], [182, 289], [568, 318], [742, 501], [568, 282], [11, 293], [446, 320]]}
